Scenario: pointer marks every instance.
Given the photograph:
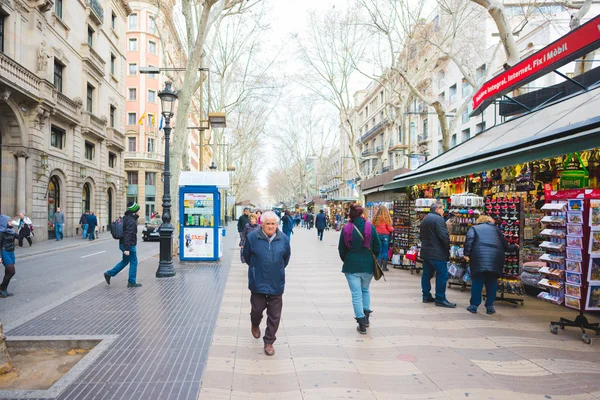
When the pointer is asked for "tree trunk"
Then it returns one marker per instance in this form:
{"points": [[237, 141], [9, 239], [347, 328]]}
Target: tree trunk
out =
{"points": [[5, 361]]}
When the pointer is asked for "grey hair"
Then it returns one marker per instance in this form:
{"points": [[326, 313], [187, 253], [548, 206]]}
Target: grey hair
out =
{"points": [[436, 205], [270, 215]]}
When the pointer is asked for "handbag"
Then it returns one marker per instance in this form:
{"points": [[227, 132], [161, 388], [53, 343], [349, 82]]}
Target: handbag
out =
{"points": [[377, 271]]}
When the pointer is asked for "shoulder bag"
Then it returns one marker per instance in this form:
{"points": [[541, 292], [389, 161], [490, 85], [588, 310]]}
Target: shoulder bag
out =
{"points": [[377, 271]]}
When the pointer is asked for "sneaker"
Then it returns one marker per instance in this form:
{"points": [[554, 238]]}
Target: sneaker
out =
{"points": [[107, 277], [129, 284], [472, 309], [490, 310]]}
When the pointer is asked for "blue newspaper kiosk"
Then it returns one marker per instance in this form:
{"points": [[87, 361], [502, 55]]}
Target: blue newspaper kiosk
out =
{"points": [[200, 203]]}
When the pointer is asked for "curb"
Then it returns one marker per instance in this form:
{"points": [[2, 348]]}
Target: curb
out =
{"points": [[70, 246]]}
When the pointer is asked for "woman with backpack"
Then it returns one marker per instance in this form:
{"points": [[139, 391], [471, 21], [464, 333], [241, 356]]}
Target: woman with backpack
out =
{"points": [[358, 243]]}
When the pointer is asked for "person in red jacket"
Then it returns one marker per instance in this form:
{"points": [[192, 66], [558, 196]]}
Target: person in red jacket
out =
{"points": [[384, 228]]}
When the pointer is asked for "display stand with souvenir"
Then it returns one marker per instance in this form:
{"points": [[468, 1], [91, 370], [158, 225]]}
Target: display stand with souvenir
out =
{"points": [[404, 236]]}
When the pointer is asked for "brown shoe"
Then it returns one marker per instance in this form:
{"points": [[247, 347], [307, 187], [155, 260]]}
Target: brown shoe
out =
{"points": [[269, 350], [256, 332]]}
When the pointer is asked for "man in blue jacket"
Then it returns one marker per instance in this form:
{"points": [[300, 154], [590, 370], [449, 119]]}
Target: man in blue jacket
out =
{"points": [[321, 223], [267, 253]]}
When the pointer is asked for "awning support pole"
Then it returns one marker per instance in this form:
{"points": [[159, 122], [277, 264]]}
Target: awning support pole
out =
{"points": [[585, 88], [517, 102], [549, 100]]}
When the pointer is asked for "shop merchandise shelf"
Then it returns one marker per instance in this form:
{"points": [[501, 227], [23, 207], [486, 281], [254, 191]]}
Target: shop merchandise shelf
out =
{"points": [[555, 233], [550, 284], [552, 259], [554, 220], [552, 246], [560, 207]]}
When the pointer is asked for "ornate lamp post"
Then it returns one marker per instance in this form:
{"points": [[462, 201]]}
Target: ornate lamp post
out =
{"points": [[168, 98]]}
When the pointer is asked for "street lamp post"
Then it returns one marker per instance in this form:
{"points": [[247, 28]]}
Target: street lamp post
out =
{"points": [[165, 265]]}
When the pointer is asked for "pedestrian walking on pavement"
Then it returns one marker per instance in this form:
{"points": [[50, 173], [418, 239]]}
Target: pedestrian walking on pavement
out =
{"points": [[485, 246], [259, 217], [384, 228], [321, 224], [128, 244], [250, 227], [243, 220], [25, 229], [357, 241], [435, 251], [92, 223], [7, 254], [58, 220], [287, 224], [267, 252], [83, 221], [310, 220]]}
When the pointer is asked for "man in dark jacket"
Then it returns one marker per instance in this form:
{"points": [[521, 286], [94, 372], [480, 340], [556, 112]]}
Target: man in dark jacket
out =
{"points": [[92, 224], [243, 220], [83, 221], [485, 246], [321, 224], [128, 244], [435, 252], [267, 253]]}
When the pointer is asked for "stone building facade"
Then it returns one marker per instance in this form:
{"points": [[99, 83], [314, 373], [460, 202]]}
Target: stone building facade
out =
{"points": [[62, 110]]}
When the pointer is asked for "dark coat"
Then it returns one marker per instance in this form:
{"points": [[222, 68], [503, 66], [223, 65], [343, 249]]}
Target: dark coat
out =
{"points": [[129, 238], [242, 221], [321, 222], [485, 246], [358, 258], [83, 220], [266, 262], [7, 241], [92, 222], [288, 225], [435, 239], [247, 229]]}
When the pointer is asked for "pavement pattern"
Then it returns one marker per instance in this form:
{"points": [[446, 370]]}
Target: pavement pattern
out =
{"points": [[412, 350]]}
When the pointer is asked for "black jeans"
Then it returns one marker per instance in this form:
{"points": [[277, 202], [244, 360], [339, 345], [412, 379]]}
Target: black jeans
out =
{"points": [[320, 234], [273, 304], [26, 236]]}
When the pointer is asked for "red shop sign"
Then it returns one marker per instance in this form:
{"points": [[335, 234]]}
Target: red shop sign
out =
{"points": [[571, 46]]}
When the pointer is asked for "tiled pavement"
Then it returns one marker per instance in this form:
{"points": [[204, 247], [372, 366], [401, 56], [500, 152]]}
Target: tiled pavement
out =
{"points": [[164, 331], [412, 351]]}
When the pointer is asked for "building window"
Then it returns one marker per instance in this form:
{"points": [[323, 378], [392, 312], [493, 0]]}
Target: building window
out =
{"points": [[57, 137], [90, 98], [152, 75], [152, 47], [150, 178], [113, 21], [151, 96], [113, 111], [112, 159], [151, 148], [440, 147], [133, 22], [132, 177], [151, 24], [131, 143], [132, 69], [89, 151], [131, 118], [453, 140], [453, 93], [58, 75], [2, 21], [466, 135], [132, 45], [381, 94], [113, 61], [425, 128], [480, 127], [132, 94], [466, 88], [90, 36], [58, 9], [150, 120], [480, 73], [400, 136]]}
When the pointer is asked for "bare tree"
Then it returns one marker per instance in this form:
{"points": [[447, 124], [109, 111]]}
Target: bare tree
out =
{"points": [[5, 361]]}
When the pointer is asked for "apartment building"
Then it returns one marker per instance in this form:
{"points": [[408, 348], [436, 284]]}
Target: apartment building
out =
{"points": [[62, 108]]}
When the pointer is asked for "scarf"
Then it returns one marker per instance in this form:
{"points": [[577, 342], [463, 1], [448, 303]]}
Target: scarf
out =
{"points": [[4, 219], [349, 229]]}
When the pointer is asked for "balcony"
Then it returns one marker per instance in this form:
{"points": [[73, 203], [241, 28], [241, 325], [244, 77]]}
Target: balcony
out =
{"points": [[378, 149], [93, 126], [144, 156], [68, 108], [373, 130], [132, 190], [385, 169], [97, 11], [366, 152], [92, 59], [422, 139], [115, 138], [15, 75]]}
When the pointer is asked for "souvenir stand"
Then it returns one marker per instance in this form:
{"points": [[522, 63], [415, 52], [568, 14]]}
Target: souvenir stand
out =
{"points": [[506, 211], [573, 254], [404, 239]]}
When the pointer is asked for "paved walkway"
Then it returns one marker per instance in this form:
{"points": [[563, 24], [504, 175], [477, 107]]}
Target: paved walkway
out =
{"points": [[413, 350]]}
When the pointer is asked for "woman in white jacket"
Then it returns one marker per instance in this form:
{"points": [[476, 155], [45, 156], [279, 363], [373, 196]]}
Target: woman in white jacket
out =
{"points": [[25, 229]]}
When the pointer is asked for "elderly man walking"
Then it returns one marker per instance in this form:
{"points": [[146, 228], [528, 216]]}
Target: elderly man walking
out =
{"points": [[59, 220], [435, 251], [267, 252]]}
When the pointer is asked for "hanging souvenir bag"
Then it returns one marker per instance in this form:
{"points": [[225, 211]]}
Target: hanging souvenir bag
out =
{"points": [[574, 175]]}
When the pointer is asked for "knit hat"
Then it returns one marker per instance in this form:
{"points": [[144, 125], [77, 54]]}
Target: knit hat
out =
{"points": [[133, 207]]}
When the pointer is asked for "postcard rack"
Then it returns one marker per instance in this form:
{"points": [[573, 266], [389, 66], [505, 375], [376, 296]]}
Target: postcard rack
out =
{"points": [[573, 272]]}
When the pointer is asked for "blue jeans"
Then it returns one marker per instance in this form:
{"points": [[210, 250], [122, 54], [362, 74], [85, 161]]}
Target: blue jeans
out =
{"points": [[439, 268], [58, 231], [490, 281], [85, 228], [385, 246], [131, 259], [359, 288]]}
